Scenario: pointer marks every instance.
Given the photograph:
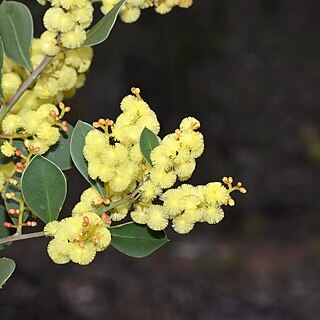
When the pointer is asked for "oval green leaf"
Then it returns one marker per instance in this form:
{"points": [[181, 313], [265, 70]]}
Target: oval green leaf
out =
{"points": [[148, 141], [4, 232], [137, 240], [7, 267], [60, 152], [16, 31], [44, 188], [10, 203], [100, 31], [76, 149], [1, 63]]}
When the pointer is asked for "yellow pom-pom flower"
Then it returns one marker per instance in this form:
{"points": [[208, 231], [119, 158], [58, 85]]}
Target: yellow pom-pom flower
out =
{"points": [[51, 19], [130, 14], [73, 39], [83, 14], [157, 218], [67, 78], [10, 84], [50, 135], [216, 193], [7, 149], [11, 123], [48, 44]]}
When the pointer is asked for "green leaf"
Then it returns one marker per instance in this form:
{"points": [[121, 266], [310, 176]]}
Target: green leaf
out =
{"points": [[102, 29], [4, 232], [137, 240], [148, 141], [44, 188], [16, 31], [1, 63], [10, 203], [76, 149], [60, 152], [7, 267]]}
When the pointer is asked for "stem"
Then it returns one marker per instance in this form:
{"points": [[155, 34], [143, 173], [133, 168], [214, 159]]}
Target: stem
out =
{"points": [[18, 237], [6, 107]]}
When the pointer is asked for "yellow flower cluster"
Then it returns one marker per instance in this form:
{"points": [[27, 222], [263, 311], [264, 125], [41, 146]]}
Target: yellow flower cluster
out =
{"points": [[77, 238], [59, 80], [115, 158], [66, 22], [39, 129], [131, 11]]}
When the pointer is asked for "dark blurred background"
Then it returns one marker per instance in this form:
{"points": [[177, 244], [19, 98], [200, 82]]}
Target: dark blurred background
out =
{"points": [[250, 71]]}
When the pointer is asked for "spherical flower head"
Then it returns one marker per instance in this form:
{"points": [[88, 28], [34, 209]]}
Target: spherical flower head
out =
{"points": [[82, 255], [157, 218], [160, 159], [107, 5], [71, 4], [51, 19], [47, 133], [51, 228], [119, 213], [130, 14], [185, 3], [7, 149], [173, 203], [120, 181], [37, 144], [193, 141], [162, 178], [46, 87], [42, 2], [67, 78], [163, 8], [94, 168], [73, 39], [213, 214], [89, 196], [139, 215], [11, 123], [95, 139], [58, 251], [149, 191], [150, 121], [10, 83], [189, 123], [183, 156], [184, 170], [43, 112], [83, 14], [49, 44], [127, 102], [216, 193], [182, 225], [66, 22]]}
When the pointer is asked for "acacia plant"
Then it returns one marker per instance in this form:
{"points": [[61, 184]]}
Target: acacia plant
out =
{"points": [[136, 177]]}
